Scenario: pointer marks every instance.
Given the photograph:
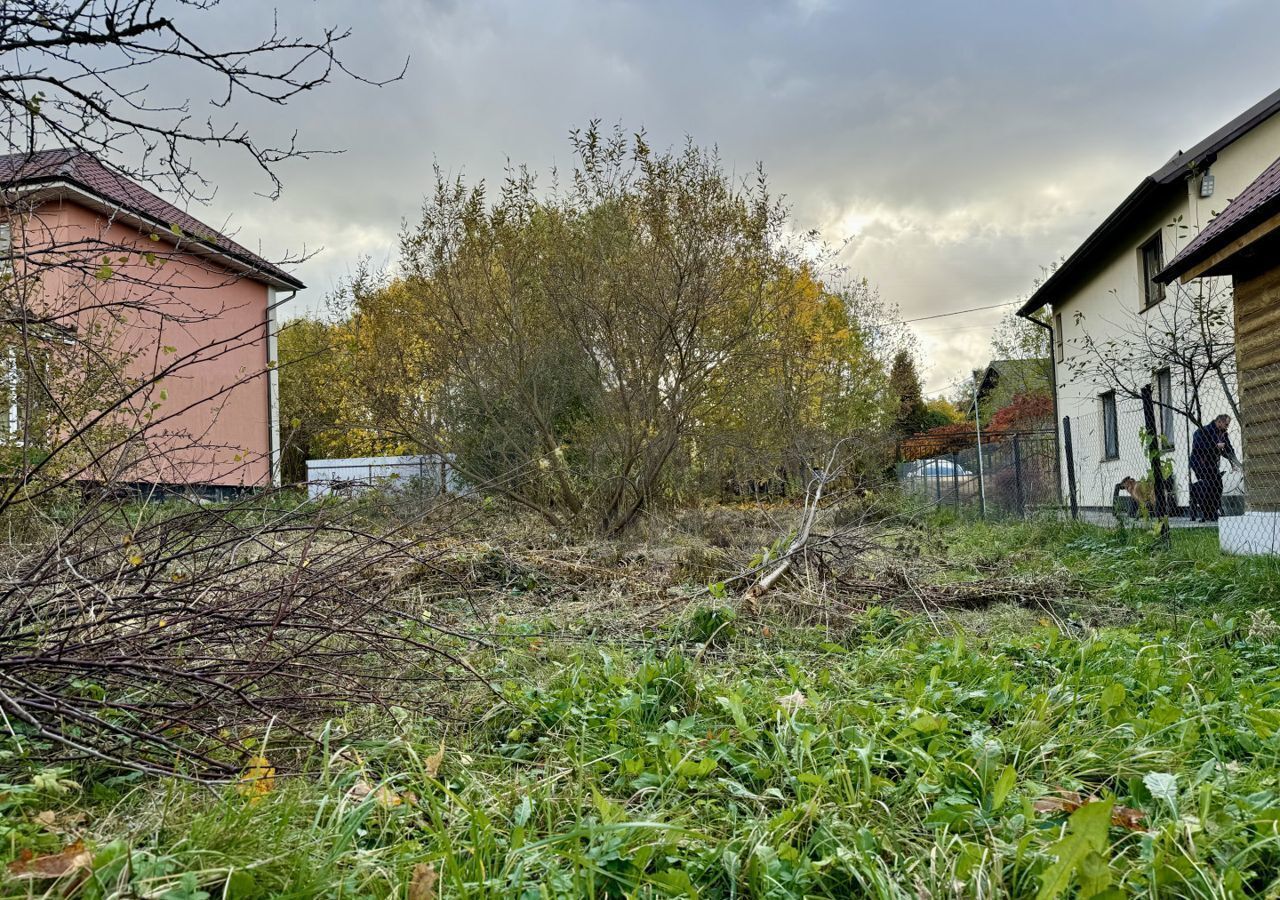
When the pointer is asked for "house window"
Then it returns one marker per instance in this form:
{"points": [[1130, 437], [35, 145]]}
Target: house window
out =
{"points": [[1152, 253], [9, 429], [6, 249], [1164, 403], [1059, 350], [1110, 427]]}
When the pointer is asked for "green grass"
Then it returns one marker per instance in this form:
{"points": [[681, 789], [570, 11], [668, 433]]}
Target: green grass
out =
{"points": [[1125, 566], [889, 757]]}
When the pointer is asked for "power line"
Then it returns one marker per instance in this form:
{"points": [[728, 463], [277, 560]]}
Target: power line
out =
{"points": [[959, 312], [946, 387]]}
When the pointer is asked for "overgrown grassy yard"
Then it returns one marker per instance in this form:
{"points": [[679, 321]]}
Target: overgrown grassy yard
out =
{"points": [[1113, 731]]}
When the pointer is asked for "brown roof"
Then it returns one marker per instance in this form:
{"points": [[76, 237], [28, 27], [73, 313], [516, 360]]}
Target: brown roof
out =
{"points": [[1157, 188], [1255, 203], [86, 172]]}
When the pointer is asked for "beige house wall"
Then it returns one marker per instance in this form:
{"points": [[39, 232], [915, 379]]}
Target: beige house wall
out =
{"points": [[1108, 306]]}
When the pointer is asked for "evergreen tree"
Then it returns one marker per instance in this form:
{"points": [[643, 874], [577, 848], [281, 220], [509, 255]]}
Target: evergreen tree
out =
{"points": [[904, 383]]}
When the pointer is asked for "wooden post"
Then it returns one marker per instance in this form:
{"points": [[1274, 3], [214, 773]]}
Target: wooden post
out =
{"points": [[1017, 478]]}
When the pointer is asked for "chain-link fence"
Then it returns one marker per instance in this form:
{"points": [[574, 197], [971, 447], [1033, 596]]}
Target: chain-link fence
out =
{"points": [[1141, 460], [1006, 473], [1121, 460]]}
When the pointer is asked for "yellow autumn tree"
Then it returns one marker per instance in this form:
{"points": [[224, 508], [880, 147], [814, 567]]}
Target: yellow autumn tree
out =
{"points": [[815, 384]]}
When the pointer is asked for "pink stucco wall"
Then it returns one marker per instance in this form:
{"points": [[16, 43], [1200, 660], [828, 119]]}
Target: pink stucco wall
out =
{"points": [[208, 422]]}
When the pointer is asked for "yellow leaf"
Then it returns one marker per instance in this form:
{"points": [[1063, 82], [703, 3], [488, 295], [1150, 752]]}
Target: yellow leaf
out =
{"points": [[136, 559], [258, 778], [434, 760], [423, 884]]}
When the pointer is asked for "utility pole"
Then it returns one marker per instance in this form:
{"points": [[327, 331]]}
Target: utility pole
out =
{"points": [[977, 427]]}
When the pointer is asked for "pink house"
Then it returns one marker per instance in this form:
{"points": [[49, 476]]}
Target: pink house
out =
{"points": [[170, 324]]}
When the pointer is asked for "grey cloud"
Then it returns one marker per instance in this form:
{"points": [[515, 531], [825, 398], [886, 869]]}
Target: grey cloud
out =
{"points": [[960, 146]]}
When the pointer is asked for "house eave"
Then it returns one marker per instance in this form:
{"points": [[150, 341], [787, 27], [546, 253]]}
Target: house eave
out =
{"points": [[1174, 172], [1057, 283], [40, 190]]}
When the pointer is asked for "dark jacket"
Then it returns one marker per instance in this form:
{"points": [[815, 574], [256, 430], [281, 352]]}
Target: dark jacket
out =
{"points": [[1205, 455]]}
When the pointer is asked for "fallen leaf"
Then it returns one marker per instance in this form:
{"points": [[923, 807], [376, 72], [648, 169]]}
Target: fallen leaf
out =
{"points": [[55, 865], [1070, 801], [792, 702], [433, 761], [1128, 817], [258, 778], [382, 795], [1063, 801], [423, 884]]}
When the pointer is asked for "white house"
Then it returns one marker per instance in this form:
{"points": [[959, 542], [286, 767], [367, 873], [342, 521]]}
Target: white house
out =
{"points": [[1116, 328]]}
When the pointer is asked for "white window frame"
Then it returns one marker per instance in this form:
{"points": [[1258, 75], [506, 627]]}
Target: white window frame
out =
{"points": [[10, 361], [1163, 383]]}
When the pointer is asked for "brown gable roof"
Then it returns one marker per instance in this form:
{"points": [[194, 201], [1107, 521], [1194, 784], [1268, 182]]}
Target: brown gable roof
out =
{"points": [[1158, 187], [86, 172], [1256, 202]]}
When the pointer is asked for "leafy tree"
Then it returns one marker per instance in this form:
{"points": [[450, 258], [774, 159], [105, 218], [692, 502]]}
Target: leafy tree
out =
{"points": [[1016, 337], [566, 348], [1026, 412], [311, 386], [641, 331], [941, 411], [819, 382]]}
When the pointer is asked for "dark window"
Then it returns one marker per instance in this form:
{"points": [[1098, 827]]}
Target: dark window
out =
{"points": [[8, 394], [1110, 427], [1164, 401], [1058, 349], [1152, 253]]}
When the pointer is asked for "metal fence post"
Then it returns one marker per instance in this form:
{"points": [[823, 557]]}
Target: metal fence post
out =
{"points": [[977, 427], [1157, 471], [1071, 465]]}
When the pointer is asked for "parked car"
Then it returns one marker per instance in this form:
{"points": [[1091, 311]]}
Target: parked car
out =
{"points": [[942, 480], [936, 468]]}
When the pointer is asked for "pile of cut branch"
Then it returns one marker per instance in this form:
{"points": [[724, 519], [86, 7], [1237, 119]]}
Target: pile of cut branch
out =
{"points": [[164, 641]]}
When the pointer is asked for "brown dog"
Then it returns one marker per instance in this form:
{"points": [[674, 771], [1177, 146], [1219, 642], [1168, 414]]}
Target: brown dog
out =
{"points": [[1143, 494]]}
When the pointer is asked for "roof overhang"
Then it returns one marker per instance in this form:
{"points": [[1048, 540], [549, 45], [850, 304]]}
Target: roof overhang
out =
{"points": [[1139, 202], [1224, 257], [42, 190]]}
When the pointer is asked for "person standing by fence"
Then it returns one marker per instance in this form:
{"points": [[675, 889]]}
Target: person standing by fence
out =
{"points": [[1210, 445]]}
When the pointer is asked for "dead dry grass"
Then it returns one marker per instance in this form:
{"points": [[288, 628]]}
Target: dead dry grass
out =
{"points": [[503, 566]]}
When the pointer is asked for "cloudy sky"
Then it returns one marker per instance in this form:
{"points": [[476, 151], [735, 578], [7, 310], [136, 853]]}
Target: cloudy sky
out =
{"points": [[957, 147]]}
